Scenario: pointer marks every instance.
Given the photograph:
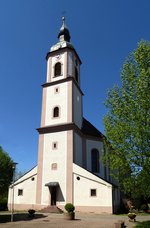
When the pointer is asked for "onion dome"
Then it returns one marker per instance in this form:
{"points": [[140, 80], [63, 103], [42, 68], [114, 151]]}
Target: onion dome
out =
{"points": [[64, 38], [64, 34]]}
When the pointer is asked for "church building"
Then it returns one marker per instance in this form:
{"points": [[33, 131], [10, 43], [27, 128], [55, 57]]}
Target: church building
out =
{"points": [[69, 168]]}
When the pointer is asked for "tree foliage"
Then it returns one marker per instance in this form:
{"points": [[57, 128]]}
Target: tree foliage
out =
{"points": [[6, 172], [127, 124], [18, 174]]}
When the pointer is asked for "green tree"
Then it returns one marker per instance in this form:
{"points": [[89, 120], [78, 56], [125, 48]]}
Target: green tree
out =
{"points": [[6, 172], [18, 174], [127, 124]]}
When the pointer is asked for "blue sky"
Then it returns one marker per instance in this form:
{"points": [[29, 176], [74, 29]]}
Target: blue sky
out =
{"points": [[103, 33]]}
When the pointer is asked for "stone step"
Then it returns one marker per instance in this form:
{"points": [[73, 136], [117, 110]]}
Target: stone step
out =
{"points": [[51, 209]]}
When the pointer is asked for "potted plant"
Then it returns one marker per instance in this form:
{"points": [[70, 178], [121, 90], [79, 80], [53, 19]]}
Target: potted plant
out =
{"points": [[31, 213], [132, 214], [70, 215]]}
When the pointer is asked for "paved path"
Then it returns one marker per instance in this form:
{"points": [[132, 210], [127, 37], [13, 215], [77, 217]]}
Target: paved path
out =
{"points": [[83, 220]]}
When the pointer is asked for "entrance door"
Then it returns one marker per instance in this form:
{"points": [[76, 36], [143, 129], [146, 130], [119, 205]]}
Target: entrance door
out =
{"points": [[53, 195]]}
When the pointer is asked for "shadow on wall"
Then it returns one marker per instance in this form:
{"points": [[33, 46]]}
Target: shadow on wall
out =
{"points": [[60, 196]]}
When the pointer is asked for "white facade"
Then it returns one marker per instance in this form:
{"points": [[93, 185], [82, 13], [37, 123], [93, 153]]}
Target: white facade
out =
{"points": [[54, 157], [54, 99], [77, 106], [90, 144], [69, 165], [86, 181], [24, 191], [77, 156]]}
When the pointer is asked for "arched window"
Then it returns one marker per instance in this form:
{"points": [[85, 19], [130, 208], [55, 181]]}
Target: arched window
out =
{"points": [[56, 112], [95, 161], [76, 74], [57, 69]]}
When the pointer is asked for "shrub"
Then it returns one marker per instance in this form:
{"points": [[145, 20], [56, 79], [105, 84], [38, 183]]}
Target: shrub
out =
{"points": [[3, 204], [144, 207], [132, 209], [69, 207]]}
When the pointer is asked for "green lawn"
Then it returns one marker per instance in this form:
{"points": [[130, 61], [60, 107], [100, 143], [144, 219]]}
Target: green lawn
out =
{"points": [[138, 214], [145, 224]]}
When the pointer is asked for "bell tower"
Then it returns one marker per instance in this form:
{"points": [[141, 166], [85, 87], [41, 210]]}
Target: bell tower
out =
{"points": [[62, 87], [61, 115]]}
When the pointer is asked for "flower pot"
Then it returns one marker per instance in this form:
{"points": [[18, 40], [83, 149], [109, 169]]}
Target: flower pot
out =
{"points": [[31, 213], [69, 216]]}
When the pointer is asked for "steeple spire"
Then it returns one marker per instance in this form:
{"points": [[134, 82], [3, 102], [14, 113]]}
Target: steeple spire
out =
{"points": [[64, 34]]}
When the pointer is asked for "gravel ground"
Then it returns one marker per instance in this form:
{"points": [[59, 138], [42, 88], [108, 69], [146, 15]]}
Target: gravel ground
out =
{"points": [[82, 220]]}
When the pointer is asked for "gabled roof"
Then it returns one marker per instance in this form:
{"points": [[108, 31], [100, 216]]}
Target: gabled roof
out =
{"points": [[82, 172], [89, 129]]}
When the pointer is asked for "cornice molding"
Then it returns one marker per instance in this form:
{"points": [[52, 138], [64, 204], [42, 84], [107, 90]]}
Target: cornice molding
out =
{"points": [[52, 53], [66, 127], [63, 81]]}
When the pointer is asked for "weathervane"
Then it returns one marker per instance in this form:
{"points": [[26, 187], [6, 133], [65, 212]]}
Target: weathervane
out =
{"points": [[64, 13]]}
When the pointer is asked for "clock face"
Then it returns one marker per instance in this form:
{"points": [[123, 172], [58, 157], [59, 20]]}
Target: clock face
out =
{"points": [[58, 57]]}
